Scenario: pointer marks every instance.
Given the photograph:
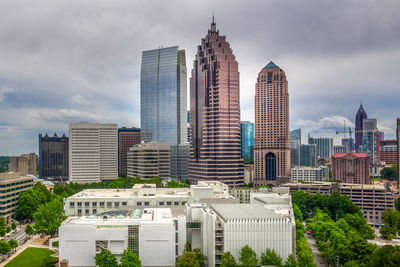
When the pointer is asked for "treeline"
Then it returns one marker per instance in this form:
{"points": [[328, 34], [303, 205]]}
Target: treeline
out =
{"points": [[392, 224]]}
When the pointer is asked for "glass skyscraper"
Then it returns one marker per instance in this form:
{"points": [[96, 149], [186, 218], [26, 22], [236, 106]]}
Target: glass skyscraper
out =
{"points": [[163, 103], [247, 140], [295, 142], [163, 96]]}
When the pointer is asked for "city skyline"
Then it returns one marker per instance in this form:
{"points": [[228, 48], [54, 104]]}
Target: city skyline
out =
{"points": [[85, 66]]}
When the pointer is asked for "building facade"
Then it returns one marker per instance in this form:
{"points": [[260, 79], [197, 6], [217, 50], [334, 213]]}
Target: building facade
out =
{"points": [[340, 149], [295, 142], [271, 142], [310, 174], [360, 117], [127, 137], [93, 152], [53, 156], [324, 146], [24, 164], [215, 113], [349, 143], [398, 151], [149, 160], [308, 155], [247, 140], [351, 168], [12, 184], [370, 140], [388, 152]]}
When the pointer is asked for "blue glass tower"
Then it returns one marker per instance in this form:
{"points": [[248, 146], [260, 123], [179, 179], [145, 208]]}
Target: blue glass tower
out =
{"points": [[247, 140], [163, 96]]}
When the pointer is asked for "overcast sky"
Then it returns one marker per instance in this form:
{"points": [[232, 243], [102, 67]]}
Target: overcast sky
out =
{"points": [[63, 61]]}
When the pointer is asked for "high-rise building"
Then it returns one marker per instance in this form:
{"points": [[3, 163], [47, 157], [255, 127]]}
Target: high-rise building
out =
{"points": [[24, 164], [340, 149], [388, 152], [351, 168], [271, 142], [127, 137], [398, 151], [163, 102], [189, 131], [247, 140], [324, 146], [93, 152], [308, 155], [360, 116], [295, 142], [53, 156], [371, 140], [309, 174], [349, 143], [215, 113]]}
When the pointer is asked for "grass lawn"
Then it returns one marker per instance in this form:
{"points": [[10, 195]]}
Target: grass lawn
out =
{"points": [[32, 257]]}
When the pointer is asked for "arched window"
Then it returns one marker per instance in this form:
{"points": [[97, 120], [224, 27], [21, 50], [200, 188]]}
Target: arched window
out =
{"points": [[270, 166]]}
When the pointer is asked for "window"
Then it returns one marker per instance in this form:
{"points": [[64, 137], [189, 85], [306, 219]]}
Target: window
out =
{"points": [[169, 203], [79, 204], [123, 203], [183, 203], [176, 203], [94, 211], [139, 203], [146, 203], [94, 204], [72, 204], [79, 211], [109, 204], [101, 204], [161, 203], [86, 211], [116, 204], [87, 204]]}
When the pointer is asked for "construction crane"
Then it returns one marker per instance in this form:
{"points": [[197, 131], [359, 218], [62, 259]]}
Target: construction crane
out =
{"points": [[350, 132]]}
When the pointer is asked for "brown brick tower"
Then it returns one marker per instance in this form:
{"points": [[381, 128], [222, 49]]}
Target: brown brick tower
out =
{"points": [[271, 140], [215, 113]]}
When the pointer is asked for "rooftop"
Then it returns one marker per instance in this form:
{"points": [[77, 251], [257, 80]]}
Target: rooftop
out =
{"points": [[271, 65], [357, 155], [243, 211]]}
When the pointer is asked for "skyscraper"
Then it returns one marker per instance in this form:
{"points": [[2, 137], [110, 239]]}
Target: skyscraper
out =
{"points": [[295, 142], [371, 140], [215, 113], [398, 152], [53, 156], [360, 116], [271, 141], [324, 146], [163, 103], [93, 152], [308, 155], [127, 138], [247, 140]]}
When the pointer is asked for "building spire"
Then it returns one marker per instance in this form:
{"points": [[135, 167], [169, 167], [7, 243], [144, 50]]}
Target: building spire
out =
{"points": [[213, 26]]}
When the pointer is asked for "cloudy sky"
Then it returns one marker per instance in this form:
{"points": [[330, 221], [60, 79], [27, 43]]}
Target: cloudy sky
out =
{"points": [[63, 61]]}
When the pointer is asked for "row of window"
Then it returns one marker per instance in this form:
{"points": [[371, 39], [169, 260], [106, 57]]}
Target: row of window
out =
{"points": [[16, 183], [15, 188], [117, 204]]}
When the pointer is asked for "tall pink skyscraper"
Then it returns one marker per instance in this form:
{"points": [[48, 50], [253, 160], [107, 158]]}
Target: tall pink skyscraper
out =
{"points": [[271, 140], [215, 113]]}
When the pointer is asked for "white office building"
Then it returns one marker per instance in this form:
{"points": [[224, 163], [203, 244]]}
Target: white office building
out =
{"points": [[96, 201], [153, 234], [267, 222], [310, 174], [93, 152]]}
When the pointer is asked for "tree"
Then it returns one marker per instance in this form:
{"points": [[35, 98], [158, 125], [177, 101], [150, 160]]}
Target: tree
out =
{"points": [[2, 222], [2, 232], [13, 244], [389, 173], [188, 247], [200, 257], [130, 259], [49, 217], [49, 261], [29, 229], [385, 256], [227, 260], [8, 229], [291, 262], [106, 259], [270, 257], [188, 259], [248, 257], [30, 200], [4, 248], [13, 226]]}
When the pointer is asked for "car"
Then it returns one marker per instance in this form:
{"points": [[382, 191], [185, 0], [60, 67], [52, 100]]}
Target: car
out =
{"points": [[308, 232]]}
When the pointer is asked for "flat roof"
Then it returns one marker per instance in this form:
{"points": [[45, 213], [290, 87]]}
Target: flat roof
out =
{"points": [[243, 211]]}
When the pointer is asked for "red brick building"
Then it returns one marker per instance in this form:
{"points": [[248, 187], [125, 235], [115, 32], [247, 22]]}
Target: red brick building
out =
{"points": [[351, 168], [388, 151]]}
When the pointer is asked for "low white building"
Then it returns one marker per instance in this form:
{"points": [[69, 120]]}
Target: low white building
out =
{"points": [[96, 201], [153, 234], [268, 222], [310, 174]]}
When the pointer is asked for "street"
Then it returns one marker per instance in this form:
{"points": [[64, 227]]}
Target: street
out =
{"points": [[19, 235], [317, 258]]}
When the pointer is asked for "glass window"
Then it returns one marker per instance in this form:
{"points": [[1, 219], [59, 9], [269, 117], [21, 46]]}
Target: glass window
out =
{"points": [[109, 204], [169, 203], [86, 211], [87, 204], [72, 204], [139, 203], [79, 211], [94, 204], [176, 203], [123, 203], [101, 204], [161, 203], [146, 203], [94, 211], [79, 204], [116, 204]]}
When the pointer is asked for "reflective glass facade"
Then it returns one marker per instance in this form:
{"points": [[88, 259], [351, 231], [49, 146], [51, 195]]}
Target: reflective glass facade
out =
{"points": [[295, 142], [247, 139], [53, 156]]}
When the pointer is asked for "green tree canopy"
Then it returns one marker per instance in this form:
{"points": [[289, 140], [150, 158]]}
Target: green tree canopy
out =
{"points": [[29, 229], [248, 257], [200, 257], [270, 257], [106, 259], [4, 247], [30, 200], [13, 243], [188, 259], [130, 259], [13, 226], [49, 217], [291, 262], [227, 260], [389, 173]]}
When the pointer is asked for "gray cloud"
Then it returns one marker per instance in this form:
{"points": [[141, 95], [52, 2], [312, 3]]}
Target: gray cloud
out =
{"points": [[80, 61]]}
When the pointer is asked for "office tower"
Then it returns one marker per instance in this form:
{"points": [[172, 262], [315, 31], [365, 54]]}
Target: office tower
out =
{"points": [[149, 160], [163, 101], [179, 161], [295, 142], [398, 152], [24, 164], [351, 168], [340, 149], [349, 143], [360, 116], [215, 113], [324, 146], [388, 152], [309, 174], [271, 142], [93, 152], [189, 131], [247, 140], [53, 156], [308, 155], [370, 140], [127, 137]]}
